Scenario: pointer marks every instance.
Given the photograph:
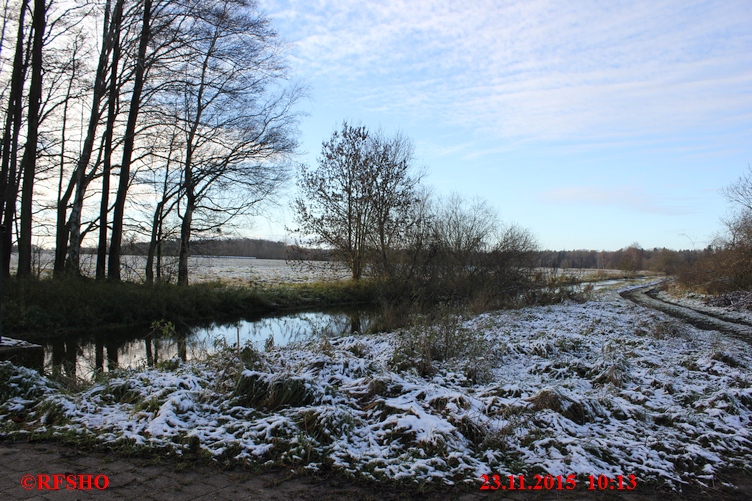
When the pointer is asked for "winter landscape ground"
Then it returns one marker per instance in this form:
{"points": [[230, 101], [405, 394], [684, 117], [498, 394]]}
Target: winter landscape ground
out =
{"points": [[601, 387]]}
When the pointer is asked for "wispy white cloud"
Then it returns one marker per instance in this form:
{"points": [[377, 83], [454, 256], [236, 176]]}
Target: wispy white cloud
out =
{"points": [[532, 69]]}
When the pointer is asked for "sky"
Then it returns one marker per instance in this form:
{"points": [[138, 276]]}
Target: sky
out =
{"points": [[592, 124]]}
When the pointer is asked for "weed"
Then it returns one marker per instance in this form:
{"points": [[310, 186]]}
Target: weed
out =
{"points": [[556, 401], [252, 359], [441, 337], [324, 423], [616, 374], [150, 405], [18, 381], [52, 413], [170, 365], [272, 392]]}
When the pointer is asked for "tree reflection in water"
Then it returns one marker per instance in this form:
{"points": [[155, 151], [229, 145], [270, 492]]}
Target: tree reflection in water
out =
{"points": [[83, 355]]}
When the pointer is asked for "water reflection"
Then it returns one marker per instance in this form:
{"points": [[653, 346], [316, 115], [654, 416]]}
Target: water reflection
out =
{"points": [[283, 330], [86, 354]]}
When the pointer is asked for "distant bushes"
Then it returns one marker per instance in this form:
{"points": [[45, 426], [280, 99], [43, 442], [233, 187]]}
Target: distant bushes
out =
{"points": [[727, 264], [722, 268]]}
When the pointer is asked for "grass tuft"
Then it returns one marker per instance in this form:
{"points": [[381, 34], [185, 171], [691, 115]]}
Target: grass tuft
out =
{"points": [[271, 393]]}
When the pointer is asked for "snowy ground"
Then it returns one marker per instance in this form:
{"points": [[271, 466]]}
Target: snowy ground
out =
{"points": [[605, 387]]}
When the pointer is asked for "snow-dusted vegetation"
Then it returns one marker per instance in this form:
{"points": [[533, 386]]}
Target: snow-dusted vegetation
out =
{"points": [[604, 387]]}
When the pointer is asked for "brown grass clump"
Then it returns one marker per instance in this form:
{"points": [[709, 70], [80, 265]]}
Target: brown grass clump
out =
{"points": [[615, 375], [555, 401], [668, 329], [726, 359], [271, 393]]}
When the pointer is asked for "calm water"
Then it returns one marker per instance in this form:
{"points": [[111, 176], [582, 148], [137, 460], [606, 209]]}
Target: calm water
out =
{"points": [[82, 354]]}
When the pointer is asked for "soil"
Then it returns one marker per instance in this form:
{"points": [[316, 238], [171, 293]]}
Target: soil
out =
{"points": [[158, 478]]}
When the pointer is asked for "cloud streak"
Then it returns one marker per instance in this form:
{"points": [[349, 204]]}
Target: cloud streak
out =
{"points": [[532, 69]]}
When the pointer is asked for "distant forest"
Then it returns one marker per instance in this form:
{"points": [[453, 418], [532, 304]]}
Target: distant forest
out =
{"points": [[241, 247], [631, 258]]}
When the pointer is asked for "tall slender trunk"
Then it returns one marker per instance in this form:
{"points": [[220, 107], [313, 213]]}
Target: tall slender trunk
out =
{"points": [[107, 165], [190, 206], [30, 154], [62, 229], [113, 268], [8, 182], [188, 180], [185, 239], [61, 234], [80, 178], [153, 242]]}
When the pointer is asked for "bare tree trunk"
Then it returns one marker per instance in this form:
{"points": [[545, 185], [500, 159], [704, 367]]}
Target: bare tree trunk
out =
{"points": [[113, 270], [185, 239], [8, 186], [160, 243], [190, 206], [107, 166], [30, 154], [80, 178], [154, 241]]}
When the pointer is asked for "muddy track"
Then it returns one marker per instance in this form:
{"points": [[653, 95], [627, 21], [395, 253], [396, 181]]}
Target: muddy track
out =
{"points": [[647, 296]]}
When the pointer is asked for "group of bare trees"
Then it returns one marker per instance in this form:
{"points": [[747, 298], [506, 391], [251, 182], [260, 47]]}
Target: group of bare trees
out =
{"points": [[364, 202], [159, 118]]}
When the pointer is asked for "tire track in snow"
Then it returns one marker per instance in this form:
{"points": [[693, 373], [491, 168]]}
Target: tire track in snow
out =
{"points": [[644, 296]]}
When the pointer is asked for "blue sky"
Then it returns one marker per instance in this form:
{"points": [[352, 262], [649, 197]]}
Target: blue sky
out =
{"points": [[593, 124]]}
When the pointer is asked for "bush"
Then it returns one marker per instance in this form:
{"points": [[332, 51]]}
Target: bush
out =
{"points": [[462, 254]]}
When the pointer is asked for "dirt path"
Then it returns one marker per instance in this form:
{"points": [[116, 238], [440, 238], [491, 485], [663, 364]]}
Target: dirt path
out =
{"points": [[167, 479], [647, 296]]}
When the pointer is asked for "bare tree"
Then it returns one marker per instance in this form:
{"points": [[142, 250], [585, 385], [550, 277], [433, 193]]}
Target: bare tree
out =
{"points": [[235, 118], [69, 237], [739, 193], [468, 253], [359, 199], [112, 101], [113, 268]]}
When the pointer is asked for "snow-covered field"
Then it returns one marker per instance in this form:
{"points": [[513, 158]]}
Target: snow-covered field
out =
{"points": [[234, 270], [604, 387]]}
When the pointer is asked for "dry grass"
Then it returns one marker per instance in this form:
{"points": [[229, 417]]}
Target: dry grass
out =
{"points": [[272, 393]]}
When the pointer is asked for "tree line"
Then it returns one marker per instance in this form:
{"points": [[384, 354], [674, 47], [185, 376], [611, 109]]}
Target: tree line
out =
{"points": [[157, 119], [240, 247], [365, 203], [628, 259]]}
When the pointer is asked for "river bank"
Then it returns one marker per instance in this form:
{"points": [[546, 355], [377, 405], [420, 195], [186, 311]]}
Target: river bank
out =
{"points": [[604, 387]]}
